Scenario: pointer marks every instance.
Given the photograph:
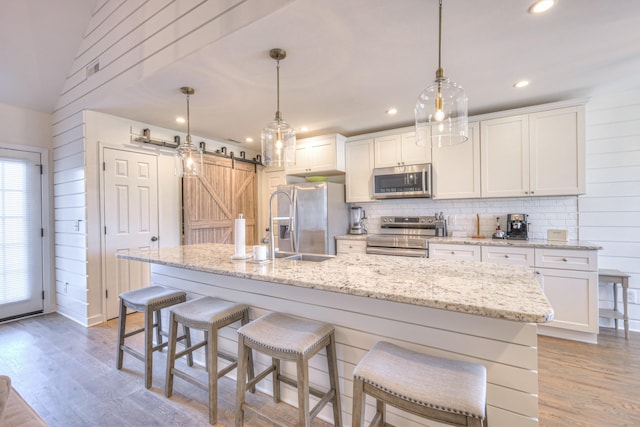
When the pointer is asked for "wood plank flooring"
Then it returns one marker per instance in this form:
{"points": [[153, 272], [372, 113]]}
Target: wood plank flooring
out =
{"points": [[67, 373]]}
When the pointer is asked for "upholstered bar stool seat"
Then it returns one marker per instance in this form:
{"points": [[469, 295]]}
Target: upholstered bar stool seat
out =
{"points": [[284, 337], [209, 315], [435, 388], [150, 301]]}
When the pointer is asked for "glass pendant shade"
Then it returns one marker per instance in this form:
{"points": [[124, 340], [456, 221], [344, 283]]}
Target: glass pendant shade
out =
{"points": [[188, 155], [441, 109], [278, 144], [189, 158], [278, 138], [441, 114]]}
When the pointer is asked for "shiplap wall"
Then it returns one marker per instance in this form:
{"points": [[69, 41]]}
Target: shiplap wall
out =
{"points": [[609, 214], [131, 39]]}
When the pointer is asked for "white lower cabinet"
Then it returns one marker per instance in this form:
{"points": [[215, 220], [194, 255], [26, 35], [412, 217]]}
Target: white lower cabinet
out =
{"points": [[568, 277], [454, 252], [348, 246]]}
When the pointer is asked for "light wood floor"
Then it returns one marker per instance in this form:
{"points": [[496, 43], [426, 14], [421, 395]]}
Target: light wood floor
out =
{"points": [[67, 372]]}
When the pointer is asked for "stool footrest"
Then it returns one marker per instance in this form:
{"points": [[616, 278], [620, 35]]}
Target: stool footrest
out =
{"points": [[294, 383], [260, 376], [132, 352], [325, 398]]}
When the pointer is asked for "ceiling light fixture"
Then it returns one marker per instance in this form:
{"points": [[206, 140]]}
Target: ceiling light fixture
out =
{"points": [[540, 6], [392, 111], [441, 109], [520, 84], [278, 138], [248, 139], [187, 153], [180, 120]]}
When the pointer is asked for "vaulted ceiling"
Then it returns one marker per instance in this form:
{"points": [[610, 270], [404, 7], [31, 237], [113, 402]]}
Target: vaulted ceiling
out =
{"points": [[348, 61]]}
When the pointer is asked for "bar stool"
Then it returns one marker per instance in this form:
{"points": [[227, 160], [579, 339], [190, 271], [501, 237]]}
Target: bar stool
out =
{"points": [[209, 315], [150, 301], [284, 337], [439, 389], [614, 277]]}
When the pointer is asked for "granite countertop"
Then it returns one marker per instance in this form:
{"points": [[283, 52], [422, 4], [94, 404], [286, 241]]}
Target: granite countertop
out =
{"points": [[498, 291], [531, 243], [352, 237]]}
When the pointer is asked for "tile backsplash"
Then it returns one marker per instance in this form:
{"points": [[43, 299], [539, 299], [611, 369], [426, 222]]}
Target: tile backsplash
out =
{"points": [[544, 213]]}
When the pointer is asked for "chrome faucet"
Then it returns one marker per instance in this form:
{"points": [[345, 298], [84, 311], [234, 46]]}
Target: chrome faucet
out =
{"points": [[272, 245]]}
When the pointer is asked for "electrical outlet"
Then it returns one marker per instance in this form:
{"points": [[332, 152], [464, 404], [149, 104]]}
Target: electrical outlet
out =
{"points": [[632, 295]]}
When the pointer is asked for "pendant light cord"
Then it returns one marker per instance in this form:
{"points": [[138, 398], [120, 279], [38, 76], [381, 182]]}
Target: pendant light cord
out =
{"points": [[278, 115], [188, 122], [440, 71]]}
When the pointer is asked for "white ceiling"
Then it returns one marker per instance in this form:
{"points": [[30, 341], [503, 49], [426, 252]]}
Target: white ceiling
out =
{"points": [[350, 60]]}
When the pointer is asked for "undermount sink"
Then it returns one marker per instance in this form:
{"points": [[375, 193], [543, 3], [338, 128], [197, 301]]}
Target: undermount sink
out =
{"points": [[292, 256]]}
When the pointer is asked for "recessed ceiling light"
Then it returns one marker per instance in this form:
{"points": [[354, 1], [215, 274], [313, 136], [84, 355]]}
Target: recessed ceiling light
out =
{"points": [[304, 129], [392, 111], [180, 120], [540, 6], [521, 84], [248, 139]]}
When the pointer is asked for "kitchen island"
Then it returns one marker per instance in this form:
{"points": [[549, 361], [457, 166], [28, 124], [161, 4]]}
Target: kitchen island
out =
{"points": [[463, 310]]}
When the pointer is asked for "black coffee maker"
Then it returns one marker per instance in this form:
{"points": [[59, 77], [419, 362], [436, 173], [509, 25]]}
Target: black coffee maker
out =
{"points": [[517, 226]]}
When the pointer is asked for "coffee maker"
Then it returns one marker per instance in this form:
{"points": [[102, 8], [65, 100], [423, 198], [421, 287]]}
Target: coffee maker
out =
{"points": [[517, 226], [356, 222]]}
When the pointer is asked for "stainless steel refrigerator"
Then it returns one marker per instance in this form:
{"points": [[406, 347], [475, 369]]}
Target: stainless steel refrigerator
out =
{"points": [[319, 214]]}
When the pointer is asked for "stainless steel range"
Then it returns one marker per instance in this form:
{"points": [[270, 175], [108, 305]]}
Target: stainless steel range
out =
{"points": [[403, 235]]}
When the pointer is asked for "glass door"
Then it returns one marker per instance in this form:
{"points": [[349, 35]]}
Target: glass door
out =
{"points": [[21, 275]]}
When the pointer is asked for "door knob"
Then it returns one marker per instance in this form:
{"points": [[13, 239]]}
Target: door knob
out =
{"points": [[154, 239]]}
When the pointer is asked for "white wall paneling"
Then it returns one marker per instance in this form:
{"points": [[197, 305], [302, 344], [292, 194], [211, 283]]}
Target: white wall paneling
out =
{"points": [[610, 210]]}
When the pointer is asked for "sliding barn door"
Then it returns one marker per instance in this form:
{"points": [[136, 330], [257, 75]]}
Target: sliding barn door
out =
{"points": [[215, 198]]}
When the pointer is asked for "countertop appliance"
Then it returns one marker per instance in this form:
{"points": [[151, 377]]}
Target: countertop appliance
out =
{"points": [[517, 226], [319, 214], [403, 235], [356, 221], [402, 182]]}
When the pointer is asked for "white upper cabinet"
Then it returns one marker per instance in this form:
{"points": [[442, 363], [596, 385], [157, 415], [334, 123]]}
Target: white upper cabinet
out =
{"points": [[399, 150], [319, 155], [504, 154], [556, 152], [456, 169], [359, 164], [536, 154]]}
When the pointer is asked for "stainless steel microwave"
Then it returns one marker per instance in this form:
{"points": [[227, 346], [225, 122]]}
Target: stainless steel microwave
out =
{"points": [[402, 182]]}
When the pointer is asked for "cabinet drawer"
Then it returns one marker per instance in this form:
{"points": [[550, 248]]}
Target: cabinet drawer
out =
{"points": [[457, 252], [565, 259], [508, 255], [345, 246]]}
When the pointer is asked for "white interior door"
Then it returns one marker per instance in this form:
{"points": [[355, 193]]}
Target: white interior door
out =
{"points": [[131, 219], [21, 276]]}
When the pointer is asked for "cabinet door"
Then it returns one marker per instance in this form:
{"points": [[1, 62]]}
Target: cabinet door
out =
{"points": [[302, 160], [573, 296], [454, 252], [359, 163], [456, 169], [388, 151], [411, 153], [508, 255], [322, 155], [557, 152], [504, 153]]}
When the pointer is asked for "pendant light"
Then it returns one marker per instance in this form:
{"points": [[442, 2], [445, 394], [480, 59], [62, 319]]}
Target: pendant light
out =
{"points": [[278, 138], [441, 109], [188, 154]]}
